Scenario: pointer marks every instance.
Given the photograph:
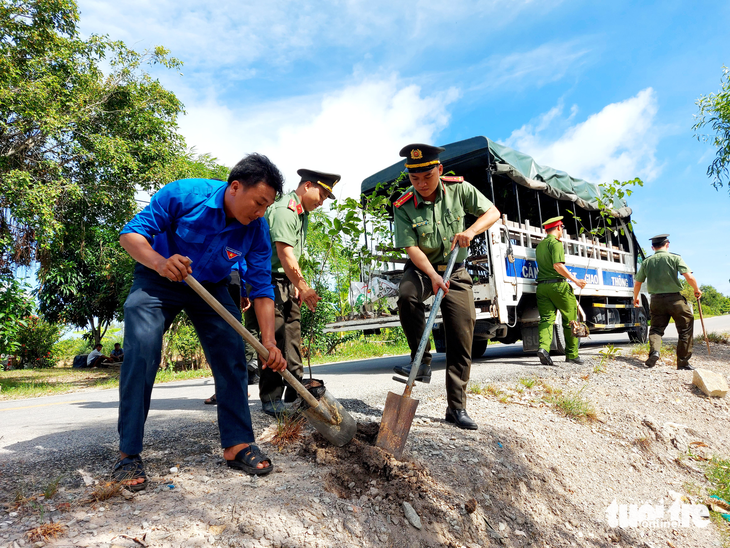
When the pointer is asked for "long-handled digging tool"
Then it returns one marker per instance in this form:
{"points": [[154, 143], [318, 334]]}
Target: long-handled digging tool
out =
{"points": [[702, 321], [325, 414], [399, 410]]}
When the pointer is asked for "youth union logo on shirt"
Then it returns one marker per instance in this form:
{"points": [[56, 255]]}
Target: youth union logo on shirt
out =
{"points": [[232, 253]]}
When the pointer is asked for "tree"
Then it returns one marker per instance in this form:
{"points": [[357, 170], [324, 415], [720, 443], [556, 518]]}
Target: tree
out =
{"points": [[86, 280], [15, 306], [69, 132], [715, 114], [87, 274]]}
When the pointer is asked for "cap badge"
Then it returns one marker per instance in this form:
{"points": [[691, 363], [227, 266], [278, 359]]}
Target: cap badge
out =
{"points": [[416, 154]]}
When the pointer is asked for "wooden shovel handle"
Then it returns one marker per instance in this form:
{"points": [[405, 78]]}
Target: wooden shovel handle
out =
{"points": [[249, 338]]}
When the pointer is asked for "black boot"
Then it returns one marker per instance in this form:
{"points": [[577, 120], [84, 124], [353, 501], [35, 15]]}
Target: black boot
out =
{"points": [[423, 375], [544, 356], [652, 359], [460, 419]]}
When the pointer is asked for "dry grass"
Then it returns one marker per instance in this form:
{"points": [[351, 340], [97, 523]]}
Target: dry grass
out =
{"points": [[288, 430], [45, 532], [106, 490], [644, 444]]}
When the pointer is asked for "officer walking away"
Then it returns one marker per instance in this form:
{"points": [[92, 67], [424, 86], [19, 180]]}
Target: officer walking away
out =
{"points": [[429, 222], [200, 227], [660, 273], [555, 293], [288, 220]]}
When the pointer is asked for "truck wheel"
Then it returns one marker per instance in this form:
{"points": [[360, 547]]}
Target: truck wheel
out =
{"points": [[558, 345], [478, 347], [640, 335]]}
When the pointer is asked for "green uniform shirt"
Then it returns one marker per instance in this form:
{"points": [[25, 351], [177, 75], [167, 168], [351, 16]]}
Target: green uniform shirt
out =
{"points": [[661, 269], [432, 225], [288, 224], [548, 252]]}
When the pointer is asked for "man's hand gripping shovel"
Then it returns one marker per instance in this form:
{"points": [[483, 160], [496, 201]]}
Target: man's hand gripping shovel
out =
{"points": [[399, 410], [326, 415]]}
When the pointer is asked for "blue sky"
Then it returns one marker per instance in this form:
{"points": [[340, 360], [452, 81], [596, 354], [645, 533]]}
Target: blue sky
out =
{"points": [[602, 90]]}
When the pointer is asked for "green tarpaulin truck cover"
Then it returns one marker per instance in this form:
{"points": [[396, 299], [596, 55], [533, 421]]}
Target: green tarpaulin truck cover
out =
{"points": [[517, 166]]}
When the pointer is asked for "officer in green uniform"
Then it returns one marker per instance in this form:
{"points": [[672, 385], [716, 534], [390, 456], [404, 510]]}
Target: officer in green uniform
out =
{"points": [[555, 293], [429, 221], [288, 220], [660, 271]]}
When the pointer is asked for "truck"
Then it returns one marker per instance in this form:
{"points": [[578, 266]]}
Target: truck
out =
{"points": [[502, 261]]}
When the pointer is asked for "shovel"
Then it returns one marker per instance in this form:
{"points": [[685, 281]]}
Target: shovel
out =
{"points": [[702, 321], [326, 415], [399, 410]]}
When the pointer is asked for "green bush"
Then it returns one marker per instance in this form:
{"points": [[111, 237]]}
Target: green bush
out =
{"points": [[181, 347], [37, 339]]}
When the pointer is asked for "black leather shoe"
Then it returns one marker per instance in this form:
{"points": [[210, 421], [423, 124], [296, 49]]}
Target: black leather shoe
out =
{"points": [[253, 378], [274, 408], [460, 419], [652, 359], [423, 375], [577, 360], [544, 356], [686, 367]]}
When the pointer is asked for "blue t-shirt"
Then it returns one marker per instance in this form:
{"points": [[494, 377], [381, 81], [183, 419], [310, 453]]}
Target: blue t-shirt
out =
{"points": [[186, 217]]}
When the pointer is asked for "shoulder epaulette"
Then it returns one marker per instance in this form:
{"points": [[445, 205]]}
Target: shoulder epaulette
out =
{"points": [[450, 179], [403, 199], [295, 207], [677, 254]]}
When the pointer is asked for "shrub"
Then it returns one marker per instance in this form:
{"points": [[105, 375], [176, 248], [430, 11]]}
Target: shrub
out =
{"points": [[37, 339]]}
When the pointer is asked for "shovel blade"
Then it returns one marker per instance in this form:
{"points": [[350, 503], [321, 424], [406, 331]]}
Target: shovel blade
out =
{"points": [[397, 419], [331, 420]]}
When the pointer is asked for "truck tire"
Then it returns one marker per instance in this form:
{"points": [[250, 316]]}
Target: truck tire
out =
{"points": [[558, 346], [478, 347], [640, 335]]}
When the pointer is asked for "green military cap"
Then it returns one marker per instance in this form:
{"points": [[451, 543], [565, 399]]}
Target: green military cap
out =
{"points": [[553, 222], [420, 157], [325, 180], [659, 240]]}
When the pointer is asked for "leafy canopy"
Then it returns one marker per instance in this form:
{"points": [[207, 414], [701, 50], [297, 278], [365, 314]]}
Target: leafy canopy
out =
{"points": [[714, 113], [71, 132]]}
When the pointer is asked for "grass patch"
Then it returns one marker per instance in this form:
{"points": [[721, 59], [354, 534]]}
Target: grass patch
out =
{"points": [[641, 351], [361, 350], [714, 337], [572, 405], [528, 383], [32, 383], [718, 473]]}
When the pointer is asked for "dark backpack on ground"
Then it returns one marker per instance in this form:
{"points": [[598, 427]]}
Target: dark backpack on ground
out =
{"points": [[80, 360]]}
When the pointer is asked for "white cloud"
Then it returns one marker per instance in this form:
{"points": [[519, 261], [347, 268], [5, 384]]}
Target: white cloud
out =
{"points": [[354, 131], [619, 142], [232, 34]]}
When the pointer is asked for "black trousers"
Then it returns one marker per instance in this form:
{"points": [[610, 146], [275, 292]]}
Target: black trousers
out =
{"points": [[459, 316], [672, 305], [288, 331]]}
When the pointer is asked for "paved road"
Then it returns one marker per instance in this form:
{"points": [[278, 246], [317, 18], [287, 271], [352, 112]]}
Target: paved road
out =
{"points": [[61, 423]]}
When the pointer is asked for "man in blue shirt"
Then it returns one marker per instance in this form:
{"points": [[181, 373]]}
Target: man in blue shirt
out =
{"points": [[200, 227]]}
